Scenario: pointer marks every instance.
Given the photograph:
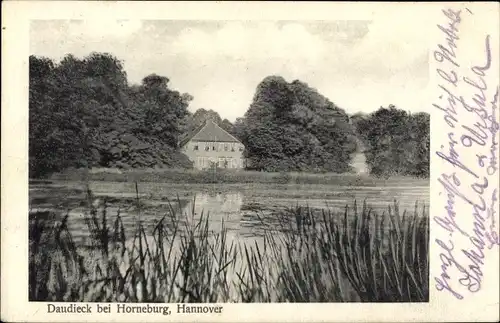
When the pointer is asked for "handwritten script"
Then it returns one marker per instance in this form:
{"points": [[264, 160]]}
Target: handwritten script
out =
{"points": [[468, 104]]}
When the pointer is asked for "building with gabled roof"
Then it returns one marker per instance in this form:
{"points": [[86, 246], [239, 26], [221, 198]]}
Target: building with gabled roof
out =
{"points": [[211, 145]]}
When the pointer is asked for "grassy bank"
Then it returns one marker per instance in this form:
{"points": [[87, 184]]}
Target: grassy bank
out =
{"points": [[232, 177], [357, 255]]}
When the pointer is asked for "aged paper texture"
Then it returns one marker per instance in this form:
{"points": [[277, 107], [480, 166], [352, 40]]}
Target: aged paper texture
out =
{"points": [[249, 162]]}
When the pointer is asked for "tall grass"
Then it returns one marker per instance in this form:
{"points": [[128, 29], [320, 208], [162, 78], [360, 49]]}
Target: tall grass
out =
{"points": [[192, 176], [311, 256]]}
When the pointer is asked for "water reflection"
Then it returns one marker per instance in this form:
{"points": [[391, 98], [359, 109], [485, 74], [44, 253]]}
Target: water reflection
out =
{"points": [[242, 217], [246, 212], [216, 202], [221, 208]]}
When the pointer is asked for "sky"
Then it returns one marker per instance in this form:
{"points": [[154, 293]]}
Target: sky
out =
{"points": [[358, 65]]}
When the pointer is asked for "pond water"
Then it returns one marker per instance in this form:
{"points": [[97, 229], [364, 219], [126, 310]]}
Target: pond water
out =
{"points": [[246, 209]]}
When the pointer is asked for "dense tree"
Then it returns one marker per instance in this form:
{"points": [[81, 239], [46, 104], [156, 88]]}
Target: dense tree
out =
{"points": [[55, 134], [163, 108], [396, 142], [227, 125], [290, 126], [83, 113]]}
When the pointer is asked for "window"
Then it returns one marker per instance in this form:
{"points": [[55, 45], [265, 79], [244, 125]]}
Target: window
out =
{"points": [[232, 147], [195, 147], [214, 148], [241, 148], [226, 148], [207, 147], [221, 162]]}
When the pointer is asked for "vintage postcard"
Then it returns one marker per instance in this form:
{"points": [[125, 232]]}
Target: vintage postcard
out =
{"points": [[250, 162]]}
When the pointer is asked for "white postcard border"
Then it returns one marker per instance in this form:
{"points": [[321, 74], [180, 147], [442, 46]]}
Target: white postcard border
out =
{"points": [[14, 234]]}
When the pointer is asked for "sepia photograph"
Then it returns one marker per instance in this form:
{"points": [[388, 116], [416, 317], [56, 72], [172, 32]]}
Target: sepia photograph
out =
{"points": [[246, 161], [227, 161]]}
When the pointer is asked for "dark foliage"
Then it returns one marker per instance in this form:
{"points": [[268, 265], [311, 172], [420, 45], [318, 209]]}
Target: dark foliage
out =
{"points": [[291, 127], [84, 114], [395, 142]]}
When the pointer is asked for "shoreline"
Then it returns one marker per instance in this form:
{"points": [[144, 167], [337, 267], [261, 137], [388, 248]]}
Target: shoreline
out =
{"points": [[225, 177]]}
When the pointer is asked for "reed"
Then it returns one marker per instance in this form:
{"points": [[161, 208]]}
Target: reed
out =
{"points": [[311, 256], [384, 257]]}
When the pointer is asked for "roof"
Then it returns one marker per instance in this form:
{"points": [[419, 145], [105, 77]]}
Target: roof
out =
{"points": [[210, 132]]}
